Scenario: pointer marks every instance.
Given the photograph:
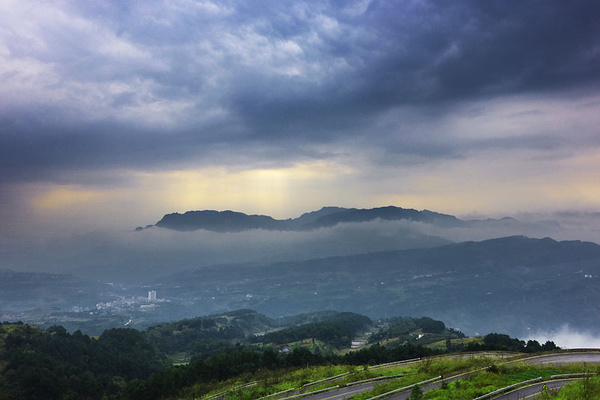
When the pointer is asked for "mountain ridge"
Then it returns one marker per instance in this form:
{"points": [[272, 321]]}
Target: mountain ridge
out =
{"points": [[472, 285], [469, 284], [329, 216]]}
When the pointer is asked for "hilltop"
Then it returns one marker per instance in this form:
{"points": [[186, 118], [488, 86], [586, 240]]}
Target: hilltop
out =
{"points": [[231, 221]]}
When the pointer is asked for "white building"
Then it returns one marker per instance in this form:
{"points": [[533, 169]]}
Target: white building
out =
{"points": [[152, 295]]}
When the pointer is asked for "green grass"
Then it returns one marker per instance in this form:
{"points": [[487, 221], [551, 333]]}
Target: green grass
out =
{"points": [[441, 344], [318, 344], [395, 384], [480, 382], [270, 382], [587, 388], [425, 370], [504, 375]]}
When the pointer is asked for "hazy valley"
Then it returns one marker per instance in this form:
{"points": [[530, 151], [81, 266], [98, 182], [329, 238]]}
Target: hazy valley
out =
{"points": [[378, 262]]}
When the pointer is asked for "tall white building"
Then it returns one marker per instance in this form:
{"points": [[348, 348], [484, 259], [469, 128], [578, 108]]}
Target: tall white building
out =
{"points": [[152, 295]]}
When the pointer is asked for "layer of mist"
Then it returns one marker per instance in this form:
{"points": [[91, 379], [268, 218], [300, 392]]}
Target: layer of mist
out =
{"points": [[568, 338], [158, 251]]}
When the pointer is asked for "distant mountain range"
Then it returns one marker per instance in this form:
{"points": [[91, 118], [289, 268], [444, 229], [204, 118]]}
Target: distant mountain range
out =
{"points": [[231, 221], [512, 284], [333, 258]]}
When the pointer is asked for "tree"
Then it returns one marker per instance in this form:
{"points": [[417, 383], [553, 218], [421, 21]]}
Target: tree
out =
{"points": [[448, 345], [533, 346], [416, 393], [549, 346]]}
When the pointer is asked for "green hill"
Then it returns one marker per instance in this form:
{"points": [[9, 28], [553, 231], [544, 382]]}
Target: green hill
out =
{"points": [[124, 364], [204, 335]]}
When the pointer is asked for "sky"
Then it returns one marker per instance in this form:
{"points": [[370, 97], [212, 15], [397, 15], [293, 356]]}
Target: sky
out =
{"points": [[115, 113]]}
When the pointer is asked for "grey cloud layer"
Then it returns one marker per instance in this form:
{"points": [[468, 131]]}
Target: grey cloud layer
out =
{"points": [[91, 84]]}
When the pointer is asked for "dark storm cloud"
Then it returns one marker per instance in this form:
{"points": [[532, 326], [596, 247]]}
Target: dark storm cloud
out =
{"points": [[140, 85]]}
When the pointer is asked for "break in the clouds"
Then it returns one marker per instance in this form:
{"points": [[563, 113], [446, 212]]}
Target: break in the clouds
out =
{"points": [[389, 95]]}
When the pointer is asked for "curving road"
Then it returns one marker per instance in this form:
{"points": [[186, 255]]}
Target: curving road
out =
{"points": [[427, 387], [343, 393], [528, 392], [533, 391], [564, 358]]}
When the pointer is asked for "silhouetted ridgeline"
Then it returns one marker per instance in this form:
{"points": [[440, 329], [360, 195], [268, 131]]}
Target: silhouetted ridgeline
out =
{"points": [[230, 221]]}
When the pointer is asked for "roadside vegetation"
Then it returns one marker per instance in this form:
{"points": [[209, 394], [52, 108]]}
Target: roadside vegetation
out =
{"points": [[480, 375], [584, 389], [498, 376]]}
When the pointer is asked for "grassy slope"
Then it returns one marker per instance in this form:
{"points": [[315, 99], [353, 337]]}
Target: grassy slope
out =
{"points": [[479, 383], [441, 345]]}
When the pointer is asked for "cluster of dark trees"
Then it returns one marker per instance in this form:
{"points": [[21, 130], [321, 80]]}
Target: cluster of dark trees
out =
{"points": [[498, 341], [54, 364], [205, 335], [401, 327], [227, 364], [193, 336], [124, 364]]}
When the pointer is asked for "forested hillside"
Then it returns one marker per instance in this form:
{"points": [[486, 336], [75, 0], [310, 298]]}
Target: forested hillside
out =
{"points": [[129, 364], [337, 331], [54, 364]]}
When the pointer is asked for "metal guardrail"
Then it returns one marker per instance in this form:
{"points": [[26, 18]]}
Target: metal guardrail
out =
{"points": [[533, 356], [221, 394], [379, 378], [306, 385], [278, 393], [381, 396], [391, 364], [331, 378], [487, 353], [507, 388], [311, 393], [564, 376]]}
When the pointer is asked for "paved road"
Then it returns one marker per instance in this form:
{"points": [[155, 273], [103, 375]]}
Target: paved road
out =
{"points": [[343, 393], [565, 358], [430, 386], [346, 392], [533, 391]]}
